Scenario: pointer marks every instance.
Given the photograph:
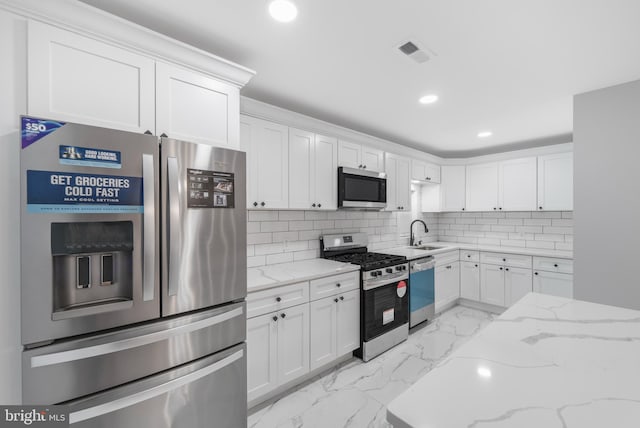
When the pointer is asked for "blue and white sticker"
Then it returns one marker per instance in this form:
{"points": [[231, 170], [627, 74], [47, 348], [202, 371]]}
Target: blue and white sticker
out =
{"points": [[33, 129], [63, 193], [83, 156]]}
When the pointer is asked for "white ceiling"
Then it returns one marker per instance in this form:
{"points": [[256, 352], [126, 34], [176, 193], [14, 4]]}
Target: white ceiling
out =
{"points": [[508, 66]]}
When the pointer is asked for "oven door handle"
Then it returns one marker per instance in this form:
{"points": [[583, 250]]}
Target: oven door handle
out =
{"points": [[385, 281]]}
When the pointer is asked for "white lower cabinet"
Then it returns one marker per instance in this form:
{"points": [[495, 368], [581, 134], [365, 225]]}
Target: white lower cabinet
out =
{"points": [[297, 336], [503, 285], [335, 327], [277, 349], [556, 284], [447, 284], [470, 280], [492, 284], [517, 283]]}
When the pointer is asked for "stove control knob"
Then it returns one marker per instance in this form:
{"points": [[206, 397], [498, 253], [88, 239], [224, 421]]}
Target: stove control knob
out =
{"points": [[398, 267], [404, 267], [389, 270], [379, 273], [374, 274]]}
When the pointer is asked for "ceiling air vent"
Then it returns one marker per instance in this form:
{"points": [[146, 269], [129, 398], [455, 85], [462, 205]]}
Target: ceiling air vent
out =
{"points": [[416, 51]]}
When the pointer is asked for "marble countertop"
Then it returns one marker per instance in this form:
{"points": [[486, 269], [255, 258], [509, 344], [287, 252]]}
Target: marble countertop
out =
{"points": [[264, 277], [546, 362], [413, 253]]}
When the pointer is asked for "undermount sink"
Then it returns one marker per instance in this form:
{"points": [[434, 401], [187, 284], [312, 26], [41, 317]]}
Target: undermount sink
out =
{"points": [[425, 247]]}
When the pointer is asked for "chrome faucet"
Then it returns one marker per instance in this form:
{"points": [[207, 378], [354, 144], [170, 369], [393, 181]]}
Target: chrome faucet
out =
{"points": [[412, 239]]}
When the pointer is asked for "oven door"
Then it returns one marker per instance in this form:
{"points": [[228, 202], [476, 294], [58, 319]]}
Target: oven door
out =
{"points": [[384, 308], [361, 189]]}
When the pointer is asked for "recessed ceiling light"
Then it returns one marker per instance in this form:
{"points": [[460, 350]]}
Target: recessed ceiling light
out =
{"points": [[484, 372], [485, 134], [283, 10], [428, 99]]}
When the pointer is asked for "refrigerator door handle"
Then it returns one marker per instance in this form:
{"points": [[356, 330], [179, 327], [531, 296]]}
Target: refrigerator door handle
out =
{"points": [[138, 397], [149, 227], [173, 238], [130, 343]]}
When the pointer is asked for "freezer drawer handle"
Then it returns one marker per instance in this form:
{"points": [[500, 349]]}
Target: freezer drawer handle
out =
{"points": [[133, 342], [173, 243], [147, 394], [149, 228]]}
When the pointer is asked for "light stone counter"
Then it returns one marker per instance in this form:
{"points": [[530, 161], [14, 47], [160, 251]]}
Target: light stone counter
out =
{"points": [[413, 253], [264, 277], [546, 362]]}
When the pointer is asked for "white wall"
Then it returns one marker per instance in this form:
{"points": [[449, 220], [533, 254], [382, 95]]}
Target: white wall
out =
{"points": [[12, 104], [607, 195]]}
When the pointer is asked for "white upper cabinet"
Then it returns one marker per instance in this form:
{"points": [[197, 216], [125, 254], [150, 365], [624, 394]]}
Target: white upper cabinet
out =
{"points": [[425, 171], [197, 108], [352, 155], [79, 79], [312, 170], [502, 186], [517, 184], [267, 146], [452, 188], [555, 182], [398, 183], [482, 187]]}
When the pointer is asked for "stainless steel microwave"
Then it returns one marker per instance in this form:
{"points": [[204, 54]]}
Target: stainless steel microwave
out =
{"points": [[358, 189]]}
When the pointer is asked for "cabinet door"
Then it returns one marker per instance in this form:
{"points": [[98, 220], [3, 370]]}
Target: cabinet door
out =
{"points": [[517, 284], [430, 198], [492, 284], [267, 146], [293, 343], [418, 170], [325, 172], [447, 284], [262, 355], [482, 187], [349, 154], [348, 325], [556, 284], [470, 281], [373, 159], [517, 184], [301, 169], [79, 79], [323, 331], [555, 182], [398, 183], [432, 172], [452, 188], [194, 107]]}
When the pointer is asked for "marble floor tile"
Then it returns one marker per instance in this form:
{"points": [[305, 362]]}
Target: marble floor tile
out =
{"points": [[355, 394]]}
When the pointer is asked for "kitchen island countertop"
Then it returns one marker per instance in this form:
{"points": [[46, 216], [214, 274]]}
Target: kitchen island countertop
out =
{"points": [[545, 362], [264, 277]]}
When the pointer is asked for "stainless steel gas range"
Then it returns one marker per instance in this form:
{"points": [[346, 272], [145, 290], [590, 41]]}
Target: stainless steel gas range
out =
{"points": [[384, 311]]}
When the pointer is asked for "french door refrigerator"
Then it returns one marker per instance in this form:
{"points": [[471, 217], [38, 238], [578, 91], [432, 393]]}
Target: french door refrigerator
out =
{"points": [[133, 253]]}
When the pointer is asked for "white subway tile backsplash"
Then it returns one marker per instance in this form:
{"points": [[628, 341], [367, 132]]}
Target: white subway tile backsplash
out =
{"points": [[290, 215], [259, 238], [263, 215], [274, 226], [282, 236], [285, 236], [279, 258]]}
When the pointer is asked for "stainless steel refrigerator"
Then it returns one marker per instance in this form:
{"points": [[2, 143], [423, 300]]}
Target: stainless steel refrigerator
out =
{"points": [[133, 253]]}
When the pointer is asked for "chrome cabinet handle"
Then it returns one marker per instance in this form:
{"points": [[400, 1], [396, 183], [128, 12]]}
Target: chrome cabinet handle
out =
{"points": [[149, 227], [174, 244]]}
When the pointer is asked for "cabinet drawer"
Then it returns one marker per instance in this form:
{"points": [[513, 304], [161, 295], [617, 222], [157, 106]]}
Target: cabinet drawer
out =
{"points": [[447, 258], [274, 299], [334, 284], [504, 259], [553, 265], [469, 256]]}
